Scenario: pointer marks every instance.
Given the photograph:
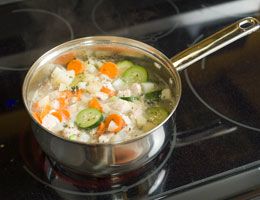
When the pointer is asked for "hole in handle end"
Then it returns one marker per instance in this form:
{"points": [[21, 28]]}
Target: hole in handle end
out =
{"points": [[247, 24]]}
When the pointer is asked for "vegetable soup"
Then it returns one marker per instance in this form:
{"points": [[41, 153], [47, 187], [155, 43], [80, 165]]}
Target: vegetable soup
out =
{"points": [[95, 100]]}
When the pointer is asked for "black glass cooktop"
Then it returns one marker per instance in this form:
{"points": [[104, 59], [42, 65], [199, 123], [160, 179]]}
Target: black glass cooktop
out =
{"points": [[214, 152]]}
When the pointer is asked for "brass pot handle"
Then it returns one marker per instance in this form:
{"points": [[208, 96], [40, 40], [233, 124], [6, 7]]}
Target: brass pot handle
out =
{"points": [[215, 42]]}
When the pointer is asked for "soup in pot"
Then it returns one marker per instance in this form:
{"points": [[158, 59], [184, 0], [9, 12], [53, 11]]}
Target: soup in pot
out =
{"points": [[94, 100]]}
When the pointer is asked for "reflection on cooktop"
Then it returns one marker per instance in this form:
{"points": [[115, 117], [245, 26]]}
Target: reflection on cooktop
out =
{"points": [[30, 34], [48, 172]]}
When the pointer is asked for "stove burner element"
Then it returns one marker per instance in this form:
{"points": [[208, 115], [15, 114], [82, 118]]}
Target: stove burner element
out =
{"points": [[124, 18], [31, 32], [226, 83]]}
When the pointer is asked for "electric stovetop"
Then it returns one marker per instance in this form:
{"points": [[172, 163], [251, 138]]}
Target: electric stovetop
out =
{"points": [[214, 152]]}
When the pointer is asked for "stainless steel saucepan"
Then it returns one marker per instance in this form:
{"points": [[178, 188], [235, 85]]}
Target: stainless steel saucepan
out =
{"points": [[108, 159]]}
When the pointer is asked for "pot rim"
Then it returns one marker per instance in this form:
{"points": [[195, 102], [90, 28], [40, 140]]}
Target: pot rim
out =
{"points": [[93, 40]]}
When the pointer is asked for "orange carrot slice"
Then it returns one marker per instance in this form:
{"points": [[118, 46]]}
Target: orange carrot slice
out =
{"points": [[65, 113], [93, 103], [65, 58], [79, 94], [66, 94], [45, 111], [101, 129], [117, 119], [62, 102], [36, 116], [57, 115], [108, 91], [76, 65], [35, 106], [109, 69]]}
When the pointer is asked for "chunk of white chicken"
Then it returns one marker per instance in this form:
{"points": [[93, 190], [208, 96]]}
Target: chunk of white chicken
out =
{"points": [[104, 78], [119, 84], [94, 86], [166, 94], [63, 87], [67, 132], [148, 87], [102, 96], [82, 85], [84, 137], [90, 77], [55, 104], [138, 114], [50, 122], [140, 121], [119, 137], [112, 126], [54, 95], [126, 119], [138, 108], [61, 75], [106, 108], [121, 105], [108, 85], [95, 62], [74, 109], [91, 68], [105, 138], [44, 101], [85, 98], [124, 93], [136, 89]]}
